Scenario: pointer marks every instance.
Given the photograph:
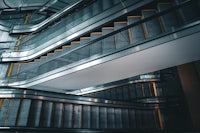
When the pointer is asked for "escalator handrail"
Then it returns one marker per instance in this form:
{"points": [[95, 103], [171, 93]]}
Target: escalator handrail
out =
{"points": [[34, 53], [13, 93], [122, 29], [19, 29]]}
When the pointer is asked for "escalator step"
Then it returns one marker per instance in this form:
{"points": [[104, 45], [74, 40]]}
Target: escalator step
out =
{"points": [[153, 27], [108, 44], [96, 48], [74, 56], [170, 20], [84, 52], [137, 32], [122, 38]]}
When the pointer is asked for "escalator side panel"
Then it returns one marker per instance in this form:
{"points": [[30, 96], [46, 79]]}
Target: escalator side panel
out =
{"points": [[103, 117], [125, 118], [45, 119], [86, 117], [95, 117], [3, 111], [118, 118], [24, 112], [12, 113], [77, 116], [35, 112], [132, 118], [111, 118], [68, 113], [57, 117]]}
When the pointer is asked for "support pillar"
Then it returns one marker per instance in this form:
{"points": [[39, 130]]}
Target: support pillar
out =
{"points": [[191, 86]]}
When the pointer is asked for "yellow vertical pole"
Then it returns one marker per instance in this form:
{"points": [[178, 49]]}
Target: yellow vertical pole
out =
{"points": [[1, 102], [157, 107]]}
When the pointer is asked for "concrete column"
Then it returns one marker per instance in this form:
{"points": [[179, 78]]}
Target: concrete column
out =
{"points": [[191, 86]]}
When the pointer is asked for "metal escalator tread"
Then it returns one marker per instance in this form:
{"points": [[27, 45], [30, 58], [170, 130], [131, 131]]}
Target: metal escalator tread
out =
{"points": [[121, 38], [66, 46], [153, 27], [43, 56], [108, 44], [84, 52], [170, 20], [136, 33], [96, 33], [95, 48]]}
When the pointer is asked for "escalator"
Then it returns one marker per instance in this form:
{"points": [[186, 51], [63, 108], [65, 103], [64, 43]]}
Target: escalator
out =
{"points": [[27, 110], [143, 30], [70, 27]]}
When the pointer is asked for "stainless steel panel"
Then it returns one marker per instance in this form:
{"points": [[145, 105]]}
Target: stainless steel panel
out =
{"points": [[3, 111], [137, 32], [125, 118], [57, 115], [45, 119], [86, 117], [24, 112], [153, 27], [126, 93], [170, 20], [132, 119], [77, 116], [35, 112], [103, 117], [68, 113], [12, 112], [111, 118], [122, 38], [95, 117], [118, 118]]}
